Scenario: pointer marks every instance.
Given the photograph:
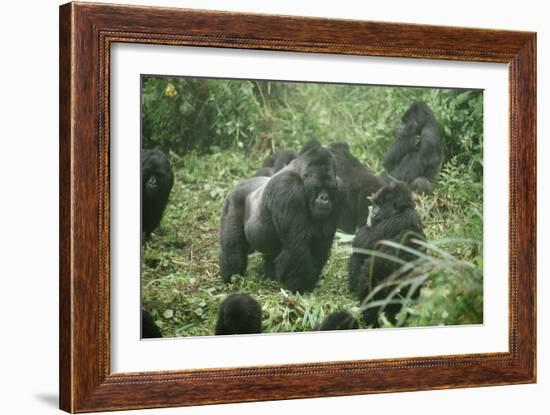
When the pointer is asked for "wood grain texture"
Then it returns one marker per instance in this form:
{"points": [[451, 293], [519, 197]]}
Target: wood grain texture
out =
{"points": [[86, 33], [65, 247]]}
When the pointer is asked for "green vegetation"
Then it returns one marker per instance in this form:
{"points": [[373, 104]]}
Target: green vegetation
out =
{"points": [[217, 132]]}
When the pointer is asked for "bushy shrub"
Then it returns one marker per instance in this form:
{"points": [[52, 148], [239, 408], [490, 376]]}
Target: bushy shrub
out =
{"points": [[181, 114]]}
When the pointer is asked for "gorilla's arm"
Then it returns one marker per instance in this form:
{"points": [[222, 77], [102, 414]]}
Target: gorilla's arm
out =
{"points": [[404, 145], [409, 168], [320, 246], [431, 151], [294, 266], [423, 160], [354, 268]]}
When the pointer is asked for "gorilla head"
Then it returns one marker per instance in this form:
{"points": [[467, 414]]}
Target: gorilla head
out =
{"points": [[276, 162], [157, 173], [389, 201], [415, 118], [239, 314], [317, 171], [283, 159], [338, 320], [157, 181]]}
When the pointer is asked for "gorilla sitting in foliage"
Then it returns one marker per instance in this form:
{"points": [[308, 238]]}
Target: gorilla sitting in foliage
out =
{"points": [[239, 314], [157, 180], [394, 218], [149, 330], [276, 162], [290, 218], [338, 320], [360, 183], [417, 151]]}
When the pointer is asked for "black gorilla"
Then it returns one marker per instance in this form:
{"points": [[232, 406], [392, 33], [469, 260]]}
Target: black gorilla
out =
{"points": [[360, 183], [339, 320], [239, 314], [421, 185], [157, 180], [417, 151], [149, 329], [290, 217], [394, 218], [276, 162]]}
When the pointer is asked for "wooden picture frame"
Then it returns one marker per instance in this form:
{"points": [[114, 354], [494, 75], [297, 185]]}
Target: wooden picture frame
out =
{"points": [[86, 33]]}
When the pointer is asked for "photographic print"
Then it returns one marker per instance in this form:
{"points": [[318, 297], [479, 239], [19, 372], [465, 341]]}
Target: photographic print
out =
{"points": [[283, 207], [315, 197]]}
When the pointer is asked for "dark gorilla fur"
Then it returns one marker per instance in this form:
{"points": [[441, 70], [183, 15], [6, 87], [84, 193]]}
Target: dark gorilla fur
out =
{"points": [[360, 183], [394, 218], [149, 329], [239, 314], [276, 162], [290, 218], [339, 320], [421, 185], [417, 151], [157, 180]]}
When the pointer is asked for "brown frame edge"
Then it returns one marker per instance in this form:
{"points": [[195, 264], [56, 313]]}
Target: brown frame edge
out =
{"points": [[86, 32]]}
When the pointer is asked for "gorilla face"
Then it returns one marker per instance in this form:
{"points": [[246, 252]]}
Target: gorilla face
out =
{"points": [[415, 118], [157, 180], [390, 200], [319, 179], [156, 174], [151, 185]]}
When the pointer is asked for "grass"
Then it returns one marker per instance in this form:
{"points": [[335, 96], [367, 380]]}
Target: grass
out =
{"points": [[182, 288]]}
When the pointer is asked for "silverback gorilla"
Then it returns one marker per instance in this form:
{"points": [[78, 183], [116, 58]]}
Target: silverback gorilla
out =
{"points": [[417, 152], [394, 218], [276, 162], [290, 218], [239, 314], [360, 183], [157, 180]]}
